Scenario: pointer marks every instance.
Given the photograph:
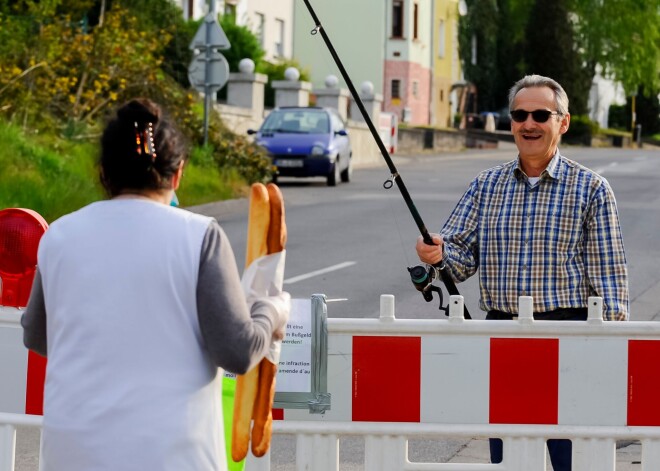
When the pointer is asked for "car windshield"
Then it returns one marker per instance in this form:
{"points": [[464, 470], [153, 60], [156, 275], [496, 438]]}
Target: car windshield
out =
{"points": [[297, 121]]}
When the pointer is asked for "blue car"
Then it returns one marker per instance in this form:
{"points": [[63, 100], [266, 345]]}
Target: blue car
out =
{"points": [[307, 142]]}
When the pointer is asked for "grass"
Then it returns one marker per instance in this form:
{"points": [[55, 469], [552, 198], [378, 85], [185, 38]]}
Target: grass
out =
{"points": [[54, 176]]}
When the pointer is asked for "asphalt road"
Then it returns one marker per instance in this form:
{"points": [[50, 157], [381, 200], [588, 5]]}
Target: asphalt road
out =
{"points": [[353, 243]]}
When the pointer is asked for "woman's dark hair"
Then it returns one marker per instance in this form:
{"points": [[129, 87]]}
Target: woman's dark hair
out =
{"points": [[140, 149]]}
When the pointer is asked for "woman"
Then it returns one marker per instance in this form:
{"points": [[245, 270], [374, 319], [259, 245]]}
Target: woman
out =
{"points": [[138, 306]]}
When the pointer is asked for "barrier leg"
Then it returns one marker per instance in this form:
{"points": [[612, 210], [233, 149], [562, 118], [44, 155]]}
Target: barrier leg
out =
{"points": [[385, 453], [7, 447], [524, 454], [650, 455], [317, 452], [594, 454]]}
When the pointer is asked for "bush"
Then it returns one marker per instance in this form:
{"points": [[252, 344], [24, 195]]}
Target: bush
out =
{"points": [[619, 117], [580, 131]]}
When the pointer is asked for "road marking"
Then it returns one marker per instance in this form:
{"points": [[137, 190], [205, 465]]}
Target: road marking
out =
{"points": [[602, 170], [322, 271]]}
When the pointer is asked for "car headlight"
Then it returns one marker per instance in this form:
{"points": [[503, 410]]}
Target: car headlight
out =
{"points": [[318, 150]]}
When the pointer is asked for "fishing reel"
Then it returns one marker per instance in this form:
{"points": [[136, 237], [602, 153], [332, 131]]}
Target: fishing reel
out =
{"points": [[422, 277]]}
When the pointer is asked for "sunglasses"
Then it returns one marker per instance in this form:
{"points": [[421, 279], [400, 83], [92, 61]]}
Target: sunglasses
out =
{"points": [[540, 116]]}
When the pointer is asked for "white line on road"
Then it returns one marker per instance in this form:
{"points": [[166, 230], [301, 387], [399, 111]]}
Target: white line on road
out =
{"points": [[602, 170], [322, 271]]}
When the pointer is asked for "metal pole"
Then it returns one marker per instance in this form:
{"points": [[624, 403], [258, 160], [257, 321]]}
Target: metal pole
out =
{"points": [[208, 94], [207, 79]]}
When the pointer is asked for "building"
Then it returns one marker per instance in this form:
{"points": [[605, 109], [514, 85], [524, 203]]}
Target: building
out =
{"points": [[357, 32], [447, 71], [408, 66], [387, 43], [271, 21]]}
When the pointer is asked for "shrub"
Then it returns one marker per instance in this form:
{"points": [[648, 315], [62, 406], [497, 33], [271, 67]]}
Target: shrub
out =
{"points": [[580, 131]]}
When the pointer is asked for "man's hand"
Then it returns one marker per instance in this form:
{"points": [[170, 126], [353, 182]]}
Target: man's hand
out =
{"points": [[430, 254]]}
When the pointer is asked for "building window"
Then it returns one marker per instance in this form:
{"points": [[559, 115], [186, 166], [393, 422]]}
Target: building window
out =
{"points": [[415, 88], [261, 22], [441, 39], [279, 45], [191, 7], [396, 89], [416, 21], [397, 19]]}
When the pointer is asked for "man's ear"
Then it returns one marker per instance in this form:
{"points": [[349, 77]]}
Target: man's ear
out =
{"points": [[565, 122]]}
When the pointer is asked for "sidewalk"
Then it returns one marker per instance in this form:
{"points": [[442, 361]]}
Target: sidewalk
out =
{"points": [[628, 455]]}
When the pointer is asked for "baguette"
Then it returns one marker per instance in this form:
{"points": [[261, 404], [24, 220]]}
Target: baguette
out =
{"points": [[277, 233], [247, 384], [258, 223], [263, 407]]}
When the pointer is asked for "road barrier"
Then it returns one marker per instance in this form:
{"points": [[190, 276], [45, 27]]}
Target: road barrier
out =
{"points": [[525, 381], [390, 380]]}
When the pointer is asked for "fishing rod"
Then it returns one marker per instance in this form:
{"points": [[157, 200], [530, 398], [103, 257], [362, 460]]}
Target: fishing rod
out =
{"points": [[421, 277]]}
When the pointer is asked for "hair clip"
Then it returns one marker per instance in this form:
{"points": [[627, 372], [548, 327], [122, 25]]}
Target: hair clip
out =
{"points": [[144, 140], [150, 142]]}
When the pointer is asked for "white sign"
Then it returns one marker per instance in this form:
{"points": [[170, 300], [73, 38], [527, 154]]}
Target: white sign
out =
{"points": [[295, 370], [210, 34]]}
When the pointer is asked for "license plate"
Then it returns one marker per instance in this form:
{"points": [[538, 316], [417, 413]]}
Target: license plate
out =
{"points": [[289, 163]]}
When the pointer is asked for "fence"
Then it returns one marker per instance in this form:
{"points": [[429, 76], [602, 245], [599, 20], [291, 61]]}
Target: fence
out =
{"points": [[525, 381]]}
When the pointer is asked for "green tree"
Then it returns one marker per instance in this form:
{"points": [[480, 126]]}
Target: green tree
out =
{"points": [[623, 37], [551, 50], [478, 48], [619, 37]]}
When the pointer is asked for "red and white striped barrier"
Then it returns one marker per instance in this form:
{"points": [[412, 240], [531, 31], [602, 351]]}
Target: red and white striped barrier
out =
{"points": [[22, 372], [526, 381], [493, 372]]}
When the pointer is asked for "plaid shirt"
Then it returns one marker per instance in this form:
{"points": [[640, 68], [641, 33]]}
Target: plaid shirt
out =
{"points": [[558, 241]]}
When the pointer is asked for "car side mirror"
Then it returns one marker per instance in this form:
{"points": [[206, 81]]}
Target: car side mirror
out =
{"points": [[341, 132], [251, 131]]}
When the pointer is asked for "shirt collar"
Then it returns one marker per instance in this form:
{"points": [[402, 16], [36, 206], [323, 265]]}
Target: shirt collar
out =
{"points": [[552, 170]]}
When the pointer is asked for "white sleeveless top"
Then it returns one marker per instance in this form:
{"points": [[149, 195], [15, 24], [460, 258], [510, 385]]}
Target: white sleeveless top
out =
{"points": [[128, 380]]}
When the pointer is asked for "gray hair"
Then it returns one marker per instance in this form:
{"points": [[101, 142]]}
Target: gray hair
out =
{"points": [[528, 81]]}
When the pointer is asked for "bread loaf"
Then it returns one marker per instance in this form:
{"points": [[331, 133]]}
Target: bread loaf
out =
{"points": [[277, 233], [247, 384], [263, 408], [258, 222]]}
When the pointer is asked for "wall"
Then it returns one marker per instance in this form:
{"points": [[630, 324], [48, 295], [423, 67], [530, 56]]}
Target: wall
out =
{"points": [[347, 23]]}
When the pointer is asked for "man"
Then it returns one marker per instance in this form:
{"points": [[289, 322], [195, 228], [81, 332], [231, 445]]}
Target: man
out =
{"points": [[540, 225]]}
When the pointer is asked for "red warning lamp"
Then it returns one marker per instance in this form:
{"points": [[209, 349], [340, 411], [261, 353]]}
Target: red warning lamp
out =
{"points": [[20, 233]]}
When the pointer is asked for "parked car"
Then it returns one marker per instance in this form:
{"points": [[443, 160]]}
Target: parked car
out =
{"points": [[307, 142]]}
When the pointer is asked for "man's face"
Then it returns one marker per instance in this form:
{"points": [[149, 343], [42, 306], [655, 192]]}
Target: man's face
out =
{"points": [[537, 141]]}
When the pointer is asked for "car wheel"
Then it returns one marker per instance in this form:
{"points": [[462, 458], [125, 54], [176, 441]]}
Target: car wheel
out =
{"points": [[347, 173], [334, 176]]}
